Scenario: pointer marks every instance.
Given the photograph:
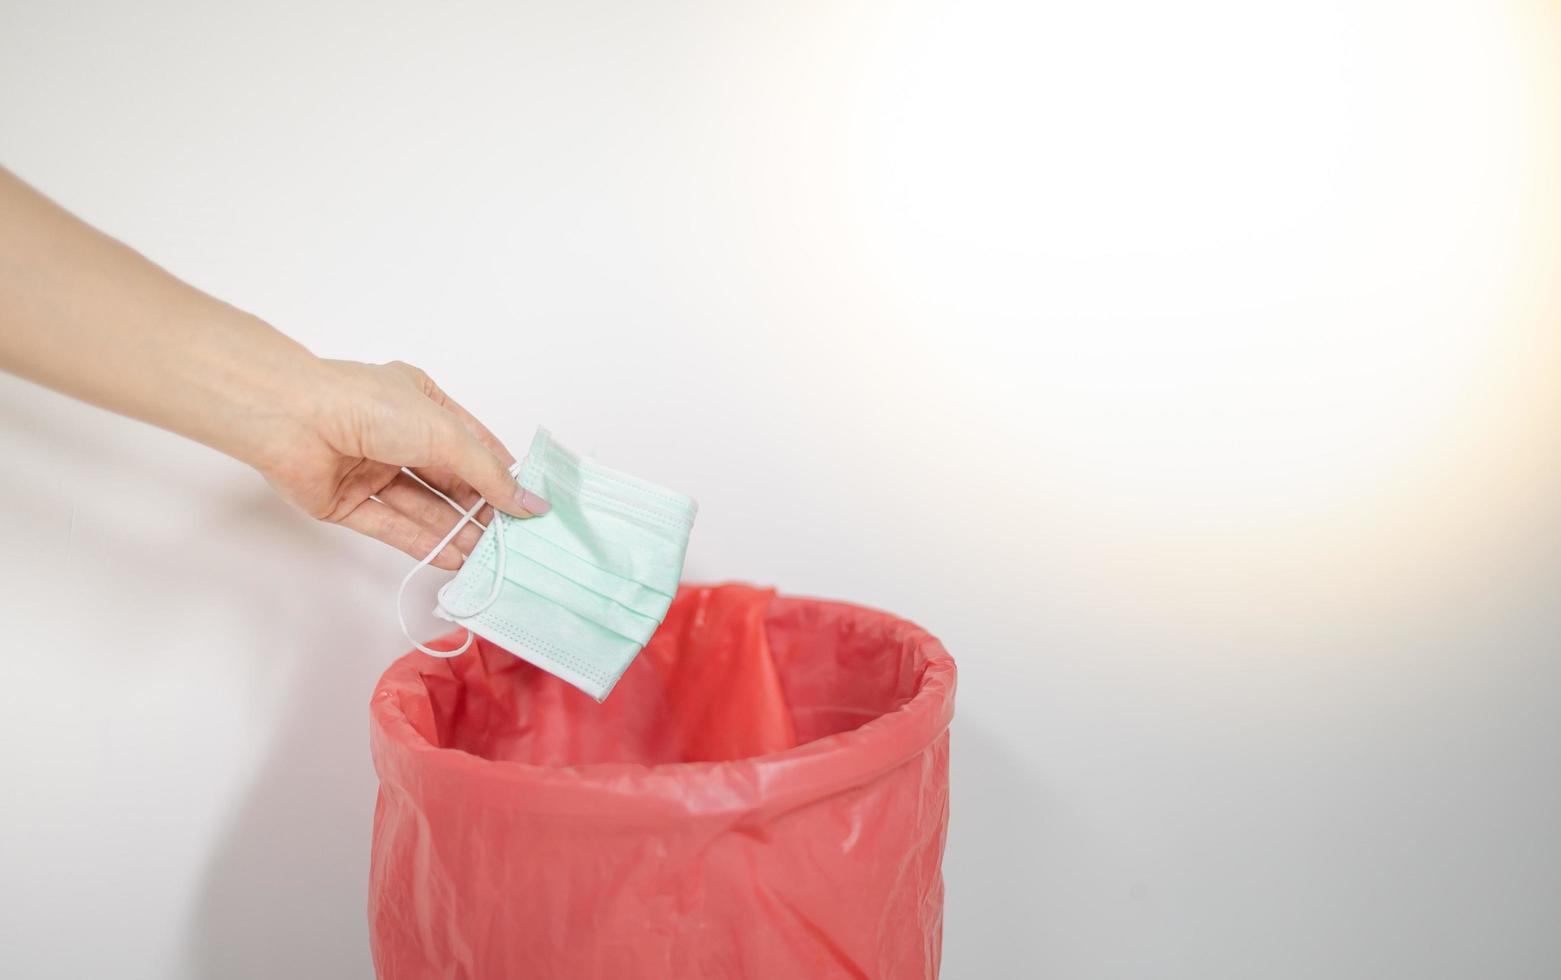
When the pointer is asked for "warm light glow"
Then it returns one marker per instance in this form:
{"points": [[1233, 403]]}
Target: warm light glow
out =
{"points": [[1268, 299]]}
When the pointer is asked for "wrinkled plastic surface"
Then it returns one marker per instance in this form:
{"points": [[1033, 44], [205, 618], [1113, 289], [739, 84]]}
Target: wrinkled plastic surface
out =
{"points": [[765, 796]]}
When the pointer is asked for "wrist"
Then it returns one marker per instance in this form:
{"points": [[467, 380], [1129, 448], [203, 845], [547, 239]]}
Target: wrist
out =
{"points": [[263, 389]]}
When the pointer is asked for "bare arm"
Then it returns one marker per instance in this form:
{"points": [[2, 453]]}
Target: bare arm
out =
{"points": [[88, 316]]}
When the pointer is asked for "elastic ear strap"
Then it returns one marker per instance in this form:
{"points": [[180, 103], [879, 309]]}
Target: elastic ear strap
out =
{"points": [[401, 592]]}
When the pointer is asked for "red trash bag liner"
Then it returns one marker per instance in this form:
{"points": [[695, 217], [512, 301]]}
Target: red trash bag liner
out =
{"points": [[764, 795]]}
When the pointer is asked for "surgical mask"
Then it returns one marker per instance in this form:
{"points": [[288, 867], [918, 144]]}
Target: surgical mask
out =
{"points": [[579, 590]]}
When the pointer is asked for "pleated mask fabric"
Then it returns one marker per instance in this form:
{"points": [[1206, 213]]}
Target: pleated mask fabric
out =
{"points": [[579, 590]]}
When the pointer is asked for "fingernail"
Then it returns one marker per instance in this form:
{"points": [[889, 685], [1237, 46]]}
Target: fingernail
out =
{"points": [[533, 503]]}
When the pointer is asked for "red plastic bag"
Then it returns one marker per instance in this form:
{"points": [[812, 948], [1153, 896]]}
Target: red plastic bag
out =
{"points": [[765, 795]]}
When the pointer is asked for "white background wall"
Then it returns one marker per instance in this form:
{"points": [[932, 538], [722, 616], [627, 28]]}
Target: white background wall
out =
{"points": [[1189, 368]]}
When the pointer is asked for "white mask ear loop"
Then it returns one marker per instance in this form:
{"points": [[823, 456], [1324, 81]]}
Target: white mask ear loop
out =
{"points": [[493, 594]]}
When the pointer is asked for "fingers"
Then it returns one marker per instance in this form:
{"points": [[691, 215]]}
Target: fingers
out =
{"points": [[475, 427], [458, 489], [380, 521], [459, 492], [452, 487], [416, 501], [465, 459], [472, 462], [437, 395]]}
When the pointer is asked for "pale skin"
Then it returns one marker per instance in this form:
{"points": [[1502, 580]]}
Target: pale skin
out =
{"points": [[90, 317]]}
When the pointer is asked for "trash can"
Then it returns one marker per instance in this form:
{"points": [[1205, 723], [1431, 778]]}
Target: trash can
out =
{"points": [[764, 795]]}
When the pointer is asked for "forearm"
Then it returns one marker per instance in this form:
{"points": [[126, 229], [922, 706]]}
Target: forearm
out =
{"points": [[90, 317]]}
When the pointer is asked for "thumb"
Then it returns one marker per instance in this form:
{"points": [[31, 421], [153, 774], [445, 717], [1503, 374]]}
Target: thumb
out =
{"points": [[478, 466]]}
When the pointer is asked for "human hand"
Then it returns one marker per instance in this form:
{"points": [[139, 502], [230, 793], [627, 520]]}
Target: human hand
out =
{"points": [[340, 456], [88, 316]]}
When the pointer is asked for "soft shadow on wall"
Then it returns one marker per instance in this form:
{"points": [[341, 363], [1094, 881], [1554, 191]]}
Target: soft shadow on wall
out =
{"points": [[1002, 823], [284, 889]]}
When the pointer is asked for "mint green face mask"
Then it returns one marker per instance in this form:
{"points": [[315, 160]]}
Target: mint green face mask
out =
{"points": [[577, 591]]}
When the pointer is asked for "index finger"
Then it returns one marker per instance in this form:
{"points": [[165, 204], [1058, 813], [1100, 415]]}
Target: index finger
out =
{"points": [[483, 434], [463, 454]]}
